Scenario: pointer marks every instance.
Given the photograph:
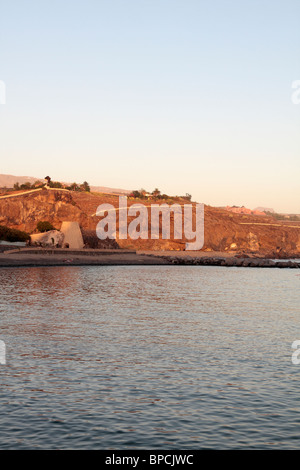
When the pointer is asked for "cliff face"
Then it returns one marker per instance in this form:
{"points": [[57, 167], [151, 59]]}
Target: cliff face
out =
{"points": [[249, 233], [223, 231], [24, 212]]}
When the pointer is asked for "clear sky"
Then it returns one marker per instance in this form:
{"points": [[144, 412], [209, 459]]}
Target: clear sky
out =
{"points": [[187, 96]]}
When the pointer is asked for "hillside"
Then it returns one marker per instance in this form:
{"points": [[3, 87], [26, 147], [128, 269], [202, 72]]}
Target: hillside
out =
{"points": [[224, 231]]}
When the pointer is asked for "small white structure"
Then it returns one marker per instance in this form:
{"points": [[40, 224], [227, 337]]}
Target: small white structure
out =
{"points": [[73, 236], [52, 238]]}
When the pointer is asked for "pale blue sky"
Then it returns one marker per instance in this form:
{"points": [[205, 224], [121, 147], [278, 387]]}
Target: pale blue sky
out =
{"points": [[188, 96]]}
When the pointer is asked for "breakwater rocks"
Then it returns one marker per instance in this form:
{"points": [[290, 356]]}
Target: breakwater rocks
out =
{"points": [[233, 262]]}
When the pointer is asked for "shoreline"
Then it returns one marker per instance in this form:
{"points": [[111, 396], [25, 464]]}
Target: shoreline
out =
{"points": [[32, 257]]}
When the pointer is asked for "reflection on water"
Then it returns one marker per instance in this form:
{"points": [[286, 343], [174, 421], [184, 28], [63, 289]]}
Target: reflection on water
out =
{"points": [[178, 357]]}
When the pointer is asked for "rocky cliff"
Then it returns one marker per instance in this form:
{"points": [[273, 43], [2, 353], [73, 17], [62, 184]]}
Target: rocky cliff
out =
{"points": [[24, 212], [224, 231]]}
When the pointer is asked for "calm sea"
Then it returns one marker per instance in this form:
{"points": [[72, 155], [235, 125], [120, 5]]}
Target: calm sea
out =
{"points": [[151, 357]]}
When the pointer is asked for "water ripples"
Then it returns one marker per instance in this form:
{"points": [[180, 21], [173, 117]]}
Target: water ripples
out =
{"points": [[178, 357]]}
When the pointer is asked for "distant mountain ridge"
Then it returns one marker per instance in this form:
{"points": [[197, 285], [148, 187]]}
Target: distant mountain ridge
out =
{"points": [[104, 189], [8, 181]]}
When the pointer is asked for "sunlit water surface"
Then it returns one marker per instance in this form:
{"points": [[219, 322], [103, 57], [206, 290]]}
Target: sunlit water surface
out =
{"points": [[179, 357]]}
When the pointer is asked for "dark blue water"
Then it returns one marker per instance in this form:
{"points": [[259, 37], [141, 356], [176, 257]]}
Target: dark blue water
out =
{"points": [[179, 357]]}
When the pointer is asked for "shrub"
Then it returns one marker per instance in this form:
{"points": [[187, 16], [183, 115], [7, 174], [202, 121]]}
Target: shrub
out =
{"points": [[12, 235], [44, 226], [55, 184], [85, 186], [26, 185], [156, 193], [74, 187], [141, 194]]}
